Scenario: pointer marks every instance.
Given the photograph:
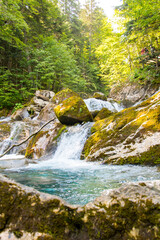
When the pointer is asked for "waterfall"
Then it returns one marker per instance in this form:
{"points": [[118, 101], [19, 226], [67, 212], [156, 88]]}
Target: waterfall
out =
{"points": [[94, 104], [69, 148], [17, 129]]}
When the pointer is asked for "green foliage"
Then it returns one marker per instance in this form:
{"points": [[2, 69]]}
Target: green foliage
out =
{"points": [[17, 106], [57, 44], [56, 68]]}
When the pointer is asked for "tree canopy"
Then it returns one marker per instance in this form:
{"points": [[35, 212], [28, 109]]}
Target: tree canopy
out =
{"points": [[53, 44]]}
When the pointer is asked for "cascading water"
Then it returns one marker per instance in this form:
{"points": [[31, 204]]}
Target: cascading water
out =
{"points": [[75, 180], [97, 104], [65, 175]]}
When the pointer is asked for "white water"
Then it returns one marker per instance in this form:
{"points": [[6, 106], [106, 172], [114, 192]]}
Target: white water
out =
{"points": [[16, 130], [94, 104], [75, 180], [67, 155], [65, 175]]}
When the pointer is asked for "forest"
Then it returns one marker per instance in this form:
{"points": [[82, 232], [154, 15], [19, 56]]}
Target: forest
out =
{"points": [[54, 44]]}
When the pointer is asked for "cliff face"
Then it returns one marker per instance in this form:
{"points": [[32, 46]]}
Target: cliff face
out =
{"points": [[130, 212], [130, 136], [131, 93]]}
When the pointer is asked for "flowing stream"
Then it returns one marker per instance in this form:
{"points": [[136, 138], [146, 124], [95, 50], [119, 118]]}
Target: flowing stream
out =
{"points": [[65, 175], [75, 180]]}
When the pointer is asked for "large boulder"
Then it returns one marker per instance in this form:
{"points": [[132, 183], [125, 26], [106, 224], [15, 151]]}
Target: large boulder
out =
{"points": [[130, 136], [70, 108], [63, 95], [129, 212]]}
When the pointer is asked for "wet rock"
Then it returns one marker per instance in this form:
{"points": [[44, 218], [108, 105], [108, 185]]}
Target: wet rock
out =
{"points": [[5, 130], [44, 141], [130, 136], [129, 212], [20, 114]]}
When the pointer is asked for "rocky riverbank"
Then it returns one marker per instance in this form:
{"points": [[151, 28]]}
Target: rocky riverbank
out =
{"points": [[129, 212], [131, 136]]}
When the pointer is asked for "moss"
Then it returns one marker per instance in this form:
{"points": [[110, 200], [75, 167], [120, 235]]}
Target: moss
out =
{"points": [[63, 95], [22, 211], [18, 234], [150, 157], [5, 128], [104, 113], [117, 129], [4, 112], [72, 110], [60, 131], [32, 143]]}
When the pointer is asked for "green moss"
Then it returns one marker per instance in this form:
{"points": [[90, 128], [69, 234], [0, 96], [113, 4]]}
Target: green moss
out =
{"points": [[150, 157], [4, 112], [117, 129], [104, 113], [22, 211], [72, 110], [61, 130], [63, 95], [5, 128], [30, 148]]}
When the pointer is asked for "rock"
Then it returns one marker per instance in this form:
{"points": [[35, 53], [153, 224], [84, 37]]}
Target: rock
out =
{"points": [[45, 95], [129, 212], [63, 95], [35, 106], [4, 112], [103, 113], [47, 113], [131, 93], [72, 110], [20, 114], [100, 95], [39, 101], [44, 142], [131, 136], [5, 130]]}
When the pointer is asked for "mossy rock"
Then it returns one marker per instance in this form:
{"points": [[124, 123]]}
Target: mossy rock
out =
{"points": [[63, 95], [99, 95], [73, 110], [103, 113], [129, 212], [4, 130], [44, 142], [4, 112], [133, 128]]}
